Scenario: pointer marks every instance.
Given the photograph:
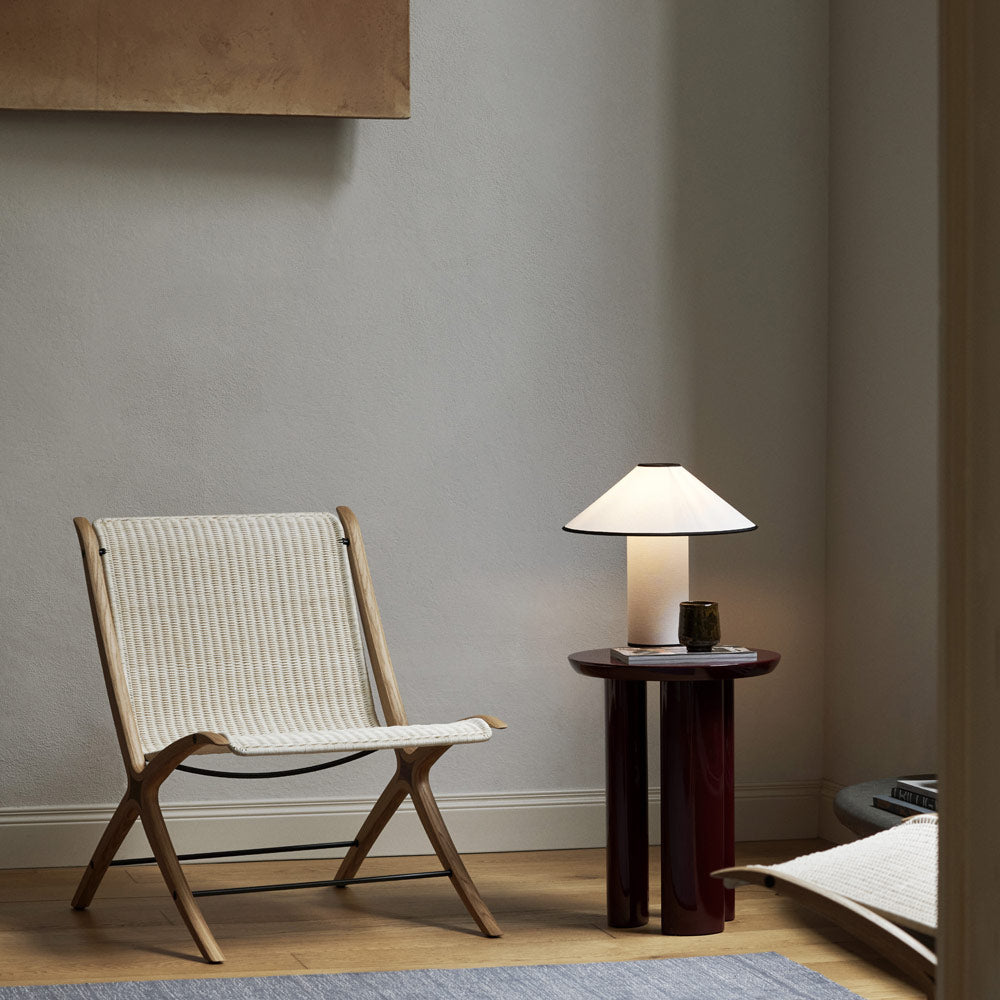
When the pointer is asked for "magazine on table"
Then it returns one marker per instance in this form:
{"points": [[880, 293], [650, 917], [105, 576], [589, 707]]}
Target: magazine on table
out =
{"points": [[679, 656]]}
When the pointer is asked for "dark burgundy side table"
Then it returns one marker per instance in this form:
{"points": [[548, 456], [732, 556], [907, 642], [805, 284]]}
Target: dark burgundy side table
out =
{"points": [[696, 778]]}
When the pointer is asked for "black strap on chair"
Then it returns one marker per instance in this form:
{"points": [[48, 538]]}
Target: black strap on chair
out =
{"points": [[285, 848], [275, 774]]}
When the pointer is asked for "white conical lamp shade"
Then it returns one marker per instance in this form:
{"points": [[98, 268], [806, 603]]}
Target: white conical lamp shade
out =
{"points": [[659, 500], [651, 502]]}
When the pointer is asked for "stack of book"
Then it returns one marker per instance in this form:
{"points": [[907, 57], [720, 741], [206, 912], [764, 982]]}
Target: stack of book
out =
{"points": [[679, 656], [910, 796]]}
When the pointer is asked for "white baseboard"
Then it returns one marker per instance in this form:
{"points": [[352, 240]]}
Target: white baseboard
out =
{"points": [[830, 828], [785, 810], [521, 821]]}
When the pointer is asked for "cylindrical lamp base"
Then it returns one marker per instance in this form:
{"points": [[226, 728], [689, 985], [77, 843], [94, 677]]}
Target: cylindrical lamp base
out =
{"points": [[657, 583]]}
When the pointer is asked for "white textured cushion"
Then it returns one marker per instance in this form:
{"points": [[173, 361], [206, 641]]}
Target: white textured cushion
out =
{"points": [[247, 626], [380, 737]]}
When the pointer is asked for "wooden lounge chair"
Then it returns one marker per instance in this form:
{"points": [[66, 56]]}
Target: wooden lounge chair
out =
{"points": [[882, 888], [243, 634]]}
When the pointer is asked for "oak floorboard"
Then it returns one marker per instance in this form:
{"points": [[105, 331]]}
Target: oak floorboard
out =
{"points": [[550, 905]]}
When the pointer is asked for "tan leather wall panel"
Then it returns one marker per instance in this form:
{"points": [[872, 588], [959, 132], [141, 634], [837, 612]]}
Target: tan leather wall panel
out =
{"points": [[297, 57]]}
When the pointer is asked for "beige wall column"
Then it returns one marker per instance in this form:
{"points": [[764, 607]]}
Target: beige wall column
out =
{"points": [[969, 947]]}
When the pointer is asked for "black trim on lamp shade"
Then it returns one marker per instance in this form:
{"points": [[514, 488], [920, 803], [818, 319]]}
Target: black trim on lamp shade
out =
{"points": [[660, 534]]}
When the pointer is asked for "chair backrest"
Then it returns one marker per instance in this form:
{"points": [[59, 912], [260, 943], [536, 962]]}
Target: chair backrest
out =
{"points": [[239, 623]]}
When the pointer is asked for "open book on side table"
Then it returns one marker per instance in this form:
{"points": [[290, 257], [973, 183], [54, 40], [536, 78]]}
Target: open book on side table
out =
{"points": [[679, 655]]}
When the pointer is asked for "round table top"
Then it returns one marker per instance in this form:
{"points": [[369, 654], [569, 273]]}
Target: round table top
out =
{"points": [[598, 663]]}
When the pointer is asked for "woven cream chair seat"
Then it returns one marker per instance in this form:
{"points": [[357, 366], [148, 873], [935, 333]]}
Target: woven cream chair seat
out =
{"points": [[873, 887], [348, 740], [893, 873], [247, 627], [253, 635]]}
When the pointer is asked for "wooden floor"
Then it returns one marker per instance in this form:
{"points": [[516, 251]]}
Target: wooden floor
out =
{"points": [[550, 905]]}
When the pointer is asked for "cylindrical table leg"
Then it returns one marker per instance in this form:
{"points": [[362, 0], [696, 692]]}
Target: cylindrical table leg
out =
{"points": [[730, 792], [693, 809], [627, 803]]}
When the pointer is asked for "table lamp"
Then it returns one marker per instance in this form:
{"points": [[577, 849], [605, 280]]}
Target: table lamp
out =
{"points": [[658, 506]]}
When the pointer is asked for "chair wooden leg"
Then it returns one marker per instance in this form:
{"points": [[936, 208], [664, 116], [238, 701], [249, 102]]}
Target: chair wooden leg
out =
{"points": [[411, 779], [107, 847], [388, 802], [142, 800], [415, 775], [173, 875]]}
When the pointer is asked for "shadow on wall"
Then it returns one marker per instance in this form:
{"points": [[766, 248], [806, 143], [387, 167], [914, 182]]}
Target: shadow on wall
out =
{"points": [[746, 170], [317, 153]]}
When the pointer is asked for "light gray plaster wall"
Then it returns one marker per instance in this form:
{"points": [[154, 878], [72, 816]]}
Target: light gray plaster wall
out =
{"points": [[600, 240], [748, 258], [884, 313]]}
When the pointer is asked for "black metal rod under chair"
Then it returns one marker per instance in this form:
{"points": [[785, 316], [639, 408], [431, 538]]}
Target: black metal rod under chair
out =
{"points": [[336, 882]]}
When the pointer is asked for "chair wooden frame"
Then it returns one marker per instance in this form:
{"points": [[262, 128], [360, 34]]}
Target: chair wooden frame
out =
{"points": [[145, 776]]}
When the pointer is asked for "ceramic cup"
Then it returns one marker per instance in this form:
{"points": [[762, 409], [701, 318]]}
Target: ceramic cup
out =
{"points": [[698, 626]]}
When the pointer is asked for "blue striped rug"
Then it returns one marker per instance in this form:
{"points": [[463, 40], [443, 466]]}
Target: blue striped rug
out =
{"points": [[763, 976]]}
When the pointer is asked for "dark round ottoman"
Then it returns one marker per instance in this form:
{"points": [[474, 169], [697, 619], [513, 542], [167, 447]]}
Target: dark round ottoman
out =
{"points": [[853, 807]]}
